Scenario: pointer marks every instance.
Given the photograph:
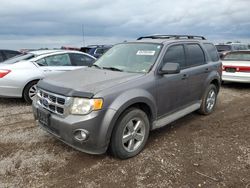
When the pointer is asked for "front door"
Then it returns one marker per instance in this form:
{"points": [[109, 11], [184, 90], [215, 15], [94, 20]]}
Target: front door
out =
{"points": [[172, 88]]}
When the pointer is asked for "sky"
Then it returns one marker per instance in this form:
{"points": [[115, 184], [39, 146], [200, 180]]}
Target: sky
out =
{"points": [[56, 23]]}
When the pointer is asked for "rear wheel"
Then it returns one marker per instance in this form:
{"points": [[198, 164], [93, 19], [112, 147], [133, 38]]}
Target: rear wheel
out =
{"points": [[209, 100], [130, 134], [29, 91]]}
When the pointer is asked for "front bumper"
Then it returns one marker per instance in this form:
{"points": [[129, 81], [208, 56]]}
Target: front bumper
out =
{"points": [[236, 77], [97, 124]]}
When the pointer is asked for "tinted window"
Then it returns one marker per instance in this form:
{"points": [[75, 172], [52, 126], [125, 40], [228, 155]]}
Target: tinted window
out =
{"points": [[175, 54], [58, 60], [99, 51], [1, 57], [19, 58], [195, 55], [10, 54], [212, 52], [81, 60]]}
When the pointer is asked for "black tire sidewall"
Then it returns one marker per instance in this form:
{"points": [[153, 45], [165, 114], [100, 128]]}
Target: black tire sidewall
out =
{"points": [[116, 140], [204, 109], [26, 91]]}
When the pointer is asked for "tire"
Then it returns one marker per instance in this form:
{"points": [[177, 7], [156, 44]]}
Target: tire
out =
{"points": [[126, 140], [209, 100], [29, 91]]}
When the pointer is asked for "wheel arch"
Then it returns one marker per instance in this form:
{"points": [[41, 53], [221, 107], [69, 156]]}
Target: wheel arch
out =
{"points": [[144, 102], [28, 82]]}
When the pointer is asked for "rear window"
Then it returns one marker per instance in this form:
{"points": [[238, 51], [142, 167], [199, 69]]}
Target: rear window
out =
{"points": [[237, 56], [221, 48], [212, 52], [19, 58], [9, 54], [239, 47]]}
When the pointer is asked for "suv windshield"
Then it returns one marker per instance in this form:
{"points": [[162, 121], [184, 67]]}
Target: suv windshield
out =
{"points": [[130, 57], [19, 58]]}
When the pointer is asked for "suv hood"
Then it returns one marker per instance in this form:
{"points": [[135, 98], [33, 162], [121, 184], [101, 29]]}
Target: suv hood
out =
{"points": [[85, 82]]}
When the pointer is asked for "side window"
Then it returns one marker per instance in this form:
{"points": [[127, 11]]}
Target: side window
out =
{"points": [[212, 52], [175, 54], [81, 60], [99, 51], [58, 60], [10, 54], [195, 55], [41, 62], [1, 57]]}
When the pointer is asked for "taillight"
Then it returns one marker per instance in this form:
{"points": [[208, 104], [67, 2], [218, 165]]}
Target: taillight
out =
{"points": [[223, 68], [4, 72], [237, 68], [243, 69]]}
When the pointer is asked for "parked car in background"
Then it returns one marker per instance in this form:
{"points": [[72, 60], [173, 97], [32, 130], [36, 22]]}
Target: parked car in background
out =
{"points": [[7, 54], [133, 88], [19, 75], [224, 48], [96, 50], [236, 66]]}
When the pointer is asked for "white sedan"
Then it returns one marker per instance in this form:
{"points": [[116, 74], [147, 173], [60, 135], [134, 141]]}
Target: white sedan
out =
{"points": [[236, 67], [19, 75]]}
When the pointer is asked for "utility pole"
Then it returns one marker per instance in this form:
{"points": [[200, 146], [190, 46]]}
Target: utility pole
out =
{"points": [[83, 40]]}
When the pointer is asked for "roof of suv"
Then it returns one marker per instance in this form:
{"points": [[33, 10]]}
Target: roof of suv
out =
{"points": [[169, 38]]}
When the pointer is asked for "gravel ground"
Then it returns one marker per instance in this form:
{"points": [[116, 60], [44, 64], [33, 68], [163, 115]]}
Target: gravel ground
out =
{"points": [[195, 151]]}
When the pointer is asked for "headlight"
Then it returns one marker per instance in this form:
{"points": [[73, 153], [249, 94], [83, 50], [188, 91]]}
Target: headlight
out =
{"points": [[82, 106]]}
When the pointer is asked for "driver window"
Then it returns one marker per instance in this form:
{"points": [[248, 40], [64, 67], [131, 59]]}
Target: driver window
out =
{"points": [[175, 54]]}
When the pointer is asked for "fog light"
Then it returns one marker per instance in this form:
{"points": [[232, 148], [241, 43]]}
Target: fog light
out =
{"points": [[81, 135]]}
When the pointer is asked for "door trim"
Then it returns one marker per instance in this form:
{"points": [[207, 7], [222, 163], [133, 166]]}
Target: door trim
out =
{"points": [[176, 115]]}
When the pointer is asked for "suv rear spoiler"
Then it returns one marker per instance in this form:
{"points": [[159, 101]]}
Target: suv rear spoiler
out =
{"points": [[172, 37]]}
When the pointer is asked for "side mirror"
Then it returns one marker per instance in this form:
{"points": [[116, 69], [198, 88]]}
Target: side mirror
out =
{"points": [[170, 68]]}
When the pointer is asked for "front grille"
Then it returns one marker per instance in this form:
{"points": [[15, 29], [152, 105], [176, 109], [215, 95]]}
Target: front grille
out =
{"points": [[53, 102]]}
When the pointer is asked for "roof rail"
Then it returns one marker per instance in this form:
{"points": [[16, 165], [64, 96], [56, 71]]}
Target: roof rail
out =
{"points": [[172, 37]]}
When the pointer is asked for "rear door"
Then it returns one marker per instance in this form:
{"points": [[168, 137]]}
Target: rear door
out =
{"points": [[197, 70], [172, 88]]}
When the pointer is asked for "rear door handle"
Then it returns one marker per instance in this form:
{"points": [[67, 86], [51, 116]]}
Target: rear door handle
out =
{"points": [[184, 77]]}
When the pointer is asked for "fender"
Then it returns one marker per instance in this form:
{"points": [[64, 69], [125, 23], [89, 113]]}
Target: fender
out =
{"points": [[126, 99]]}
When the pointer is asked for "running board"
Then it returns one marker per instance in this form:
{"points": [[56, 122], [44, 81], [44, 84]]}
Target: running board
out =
{"points": [[176, 115]]}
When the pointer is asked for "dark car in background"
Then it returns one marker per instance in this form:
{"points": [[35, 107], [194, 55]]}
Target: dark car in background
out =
{"points": [[96, 50], [7, 54], [224, 48]]}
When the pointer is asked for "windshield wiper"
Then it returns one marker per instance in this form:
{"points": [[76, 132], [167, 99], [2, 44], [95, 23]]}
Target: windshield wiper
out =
{"points": [[97, 66], [113, 69]]}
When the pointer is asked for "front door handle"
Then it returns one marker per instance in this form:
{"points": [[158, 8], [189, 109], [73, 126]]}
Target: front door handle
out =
{"points": [[206, 70]]}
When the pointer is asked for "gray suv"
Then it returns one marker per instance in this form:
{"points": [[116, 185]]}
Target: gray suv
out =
{"points": [[133, 88]]}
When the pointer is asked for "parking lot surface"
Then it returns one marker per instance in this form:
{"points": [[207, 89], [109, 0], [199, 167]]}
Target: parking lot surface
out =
{"points": [[195, 151]]}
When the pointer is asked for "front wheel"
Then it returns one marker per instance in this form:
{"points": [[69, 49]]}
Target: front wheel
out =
{"points": [[209, 100], [29, 91], [130, 134]]}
